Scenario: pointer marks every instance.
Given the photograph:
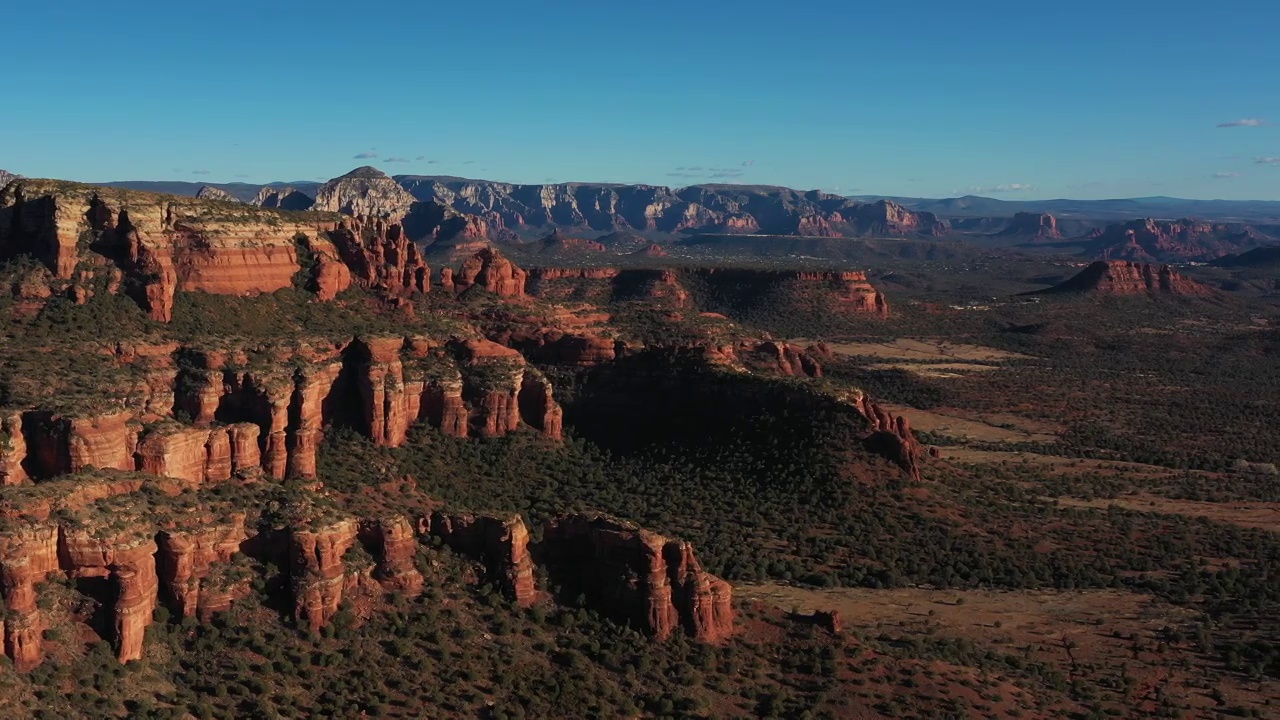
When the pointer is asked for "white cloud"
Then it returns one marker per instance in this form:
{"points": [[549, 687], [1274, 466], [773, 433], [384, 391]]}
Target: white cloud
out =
{"points": [[1269, 161], [1225, 175], [1243, 122], [396, 160], [1002, 188], [365, 155]]}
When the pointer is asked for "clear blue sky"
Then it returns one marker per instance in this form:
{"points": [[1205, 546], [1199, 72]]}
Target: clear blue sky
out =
{"points": [[1013, 99]]}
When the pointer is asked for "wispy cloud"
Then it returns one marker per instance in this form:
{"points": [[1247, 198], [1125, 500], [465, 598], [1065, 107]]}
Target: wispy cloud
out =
{"points": [[420, 157], [748, 163], [1243, 122], [364, 155], [1225, 175], [726, 174], [685, 175], [469, 162], [1269, 161], [241, 175], [433, 162], [199, 172], [1002, 188], [396, 160]]}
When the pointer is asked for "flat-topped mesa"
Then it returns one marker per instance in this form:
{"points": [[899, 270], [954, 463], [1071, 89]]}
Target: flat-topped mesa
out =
{"points": [[1036, 226], [186, 559], [890, 435], [364, 191], [501, 545], [393, 542], [853, 289], [125, 557], [1121, 277], [636, 576], [488, 270], [28, 553], [162, 243], [283, 198], [380, 255]]}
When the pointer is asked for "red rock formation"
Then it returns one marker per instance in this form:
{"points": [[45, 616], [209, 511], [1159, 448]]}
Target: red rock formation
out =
{"points": [[652, 250], [1175, 241], [890, 436], [788, 360], [394, 543], [128, 558], [312, 386], [643, 578], [1036, 226], [538, 405], [851, 288], [488, 270], [246, 456], [443, 406], [382, 388], [501, 545], [584, 350], [61, 444], [316, 569], [163, 243], [175, 451], [381, 256], [13, 450], [186, 558], [28, 553], [1119, 277]]}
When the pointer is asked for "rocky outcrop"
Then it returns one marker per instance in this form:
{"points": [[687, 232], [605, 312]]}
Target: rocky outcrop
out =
{"points": [[1032, 226], [317, 573], [393, 541], [639, 577], [7, 177], [1119, 277], [489, 271], [13, 449], [852, 290], [890, 436], [787, 360], [186, 559], [380, 255], [1155, 241], [538, 405], [126, 558], [651, 250], [162, 243], [209, 192], [558, 242], [501, 545], [364, 191], [283, 198], [28, 553]]}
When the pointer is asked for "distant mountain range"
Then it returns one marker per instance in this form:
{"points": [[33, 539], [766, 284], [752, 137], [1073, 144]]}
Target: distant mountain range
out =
{"points": [[440, 211], [1160, 208]]}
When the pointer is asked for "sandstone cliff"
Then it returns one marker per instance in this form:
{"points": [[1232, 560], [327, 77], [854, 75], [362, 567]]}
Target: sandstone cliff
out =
{"points": [[501, 545], [639, 577], [163, 244]]}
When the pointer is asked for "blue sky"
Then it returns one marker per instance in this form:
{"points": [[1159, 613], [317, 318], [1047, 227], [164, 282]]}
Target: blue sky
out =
{"points": [[1011, 99]]}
